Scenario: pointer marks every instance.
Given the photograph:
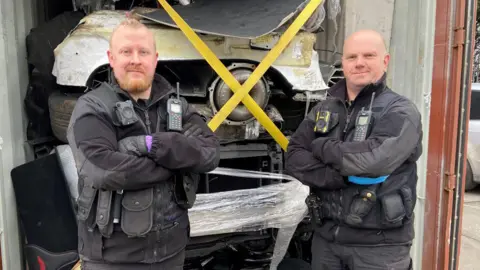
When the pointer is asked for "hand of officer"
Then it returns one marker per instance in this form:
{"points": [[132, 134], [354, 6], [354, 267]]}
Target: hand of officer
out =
{"points": [[190, 129], [135, 145]]}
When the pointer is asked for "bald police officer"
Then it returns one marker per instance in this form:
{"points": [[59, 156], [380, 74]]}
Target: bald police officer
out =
{"points": [[357, 150]]}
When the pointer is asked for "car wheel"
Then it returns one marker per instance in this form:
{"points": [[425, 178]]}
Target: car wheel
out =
{"points": [[61, 106], [291, 263], [469, 183]]}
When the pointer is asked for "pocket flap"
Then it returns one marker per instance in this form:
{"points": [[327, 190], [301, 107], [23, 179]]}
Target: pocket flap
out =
{"points": [[137, 200]]}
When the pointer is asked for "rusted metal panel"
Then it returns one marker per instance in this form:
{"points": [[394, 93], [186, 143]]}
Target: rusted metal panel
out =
{"points": [[435, 195], [443, 139], [465, 29]]}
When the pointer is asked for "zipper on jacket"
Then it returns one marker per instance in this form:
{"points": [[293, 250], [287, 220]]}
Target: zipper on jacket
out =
{"points": [[335, 235], [147, 129], [147, 126], [155, 246], [349, 114], [348, 122], [147, 121]]}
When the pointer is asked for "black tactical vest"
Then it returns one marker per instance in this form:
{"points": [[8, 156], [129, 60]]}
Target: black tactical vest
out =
{"points": [[158, 213], [394, 199]]}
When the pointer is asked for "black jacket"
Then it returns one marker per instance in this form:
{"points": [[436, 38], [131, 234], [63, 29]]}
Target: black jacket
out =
{"points": [[324, 161], [153, 227]]}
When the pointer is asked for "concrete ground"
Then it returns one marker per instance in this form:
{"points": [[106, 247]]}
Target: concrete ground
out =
{"points": [[470, 250]]}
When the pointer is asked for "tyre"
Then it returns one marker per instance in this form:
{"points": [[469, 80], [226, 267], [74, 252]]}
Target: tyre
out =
{"points": [[469, 183], [297, 264], [60, 107]]}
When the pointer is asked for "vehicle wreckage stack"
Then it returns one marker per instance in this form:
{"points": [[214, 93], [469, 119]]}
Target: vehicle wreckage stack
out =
{"points": [[268, 46]]}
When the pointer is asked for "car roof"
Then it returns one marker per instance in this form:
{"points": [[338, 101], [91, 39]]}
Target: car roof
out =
{"points": [[475, 86]]}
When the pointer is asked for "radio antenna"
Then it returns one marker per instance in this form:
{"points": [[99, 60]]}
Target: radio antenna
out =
{"points": [[371, 101], [178, 90]]}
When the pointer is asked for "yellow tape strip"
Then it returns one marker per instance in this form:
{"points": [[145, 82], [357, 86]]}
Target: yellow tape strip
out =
{"points": [[241, 92]]}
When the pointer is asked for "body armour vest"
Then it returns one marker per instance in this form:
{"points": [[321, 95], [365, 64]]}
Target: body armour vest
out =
{"points": [[394, 200], [144, 211]]}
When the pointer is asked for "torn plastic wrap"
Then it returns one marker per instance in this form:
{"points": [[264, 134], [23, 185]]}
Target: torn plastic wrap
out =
{"points": [[279, 206]]}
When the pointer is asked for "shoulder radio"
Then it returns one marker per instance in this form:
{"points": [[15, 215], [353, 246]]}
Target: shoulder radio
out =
{"points": [[364, 118], [174, 110]]}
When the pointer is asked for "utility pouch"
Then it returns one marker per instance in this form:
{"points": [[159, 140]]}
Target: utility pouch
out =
{"points": [[393, 209], [325, 202], [104, 218], [137, 212], [408, 201], [314, 208], [361, 205], [85, 203], [185, 189]]}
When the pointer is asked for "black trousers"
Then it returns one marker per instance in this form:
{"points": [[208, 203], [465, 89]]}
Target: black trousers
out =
{"points": [[174, 263], [331, 256]]}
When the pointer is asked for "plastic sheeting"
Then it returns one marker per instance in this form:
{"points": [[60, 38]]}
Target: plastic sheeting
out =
{"points": [[280, 206], [271, 206]]}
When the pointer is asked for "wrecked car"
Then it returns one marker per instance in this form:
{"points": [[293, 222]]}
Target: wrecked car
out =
{"points": [[293, 81]]}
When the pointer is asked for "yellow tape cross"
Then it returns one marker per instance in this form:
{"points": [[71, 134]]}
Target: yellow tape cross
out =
{"points": [[241, 91]]}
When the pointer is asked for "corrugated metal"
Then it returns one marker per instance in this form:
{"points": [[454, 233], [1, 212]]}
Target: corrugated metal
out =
{"points": [[330, 42], [16, 20], [410, 73]]}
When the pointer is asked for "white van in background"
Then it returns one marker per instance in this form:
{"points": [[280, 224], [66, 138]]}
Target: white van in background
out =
{"points": [[473, 148]]}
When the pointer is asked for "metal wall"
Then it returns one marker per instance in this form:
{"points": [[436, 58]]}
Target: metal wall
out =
{"points": [[17, 17], [446, 161], [410, 73]]}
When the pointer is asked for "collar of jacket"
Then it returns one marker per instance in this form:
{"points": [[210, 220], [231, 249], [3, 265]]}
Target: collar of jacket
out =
{"points": [[339, 90], [160, 89]]}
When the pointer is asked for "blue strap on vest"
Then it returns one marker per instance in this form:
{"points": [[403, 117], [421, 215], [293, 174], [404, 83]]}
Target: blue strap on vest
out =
{"points": [[367, 180]]}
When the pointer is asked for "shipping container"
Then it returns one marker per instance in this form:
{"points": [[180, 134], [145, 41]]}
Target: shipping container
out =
{"points": [[430, 43]]}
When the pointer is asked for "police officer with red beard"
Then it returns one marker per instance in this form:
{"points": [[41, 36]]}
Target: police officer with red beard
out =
{"points": [[136, 176]]}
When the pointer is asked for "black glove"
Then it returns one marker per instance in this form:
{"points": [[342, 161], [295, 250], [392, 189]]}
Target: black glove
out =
{"points": [[317, 146], [135, 145], [327, 151], [190, 129]]}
